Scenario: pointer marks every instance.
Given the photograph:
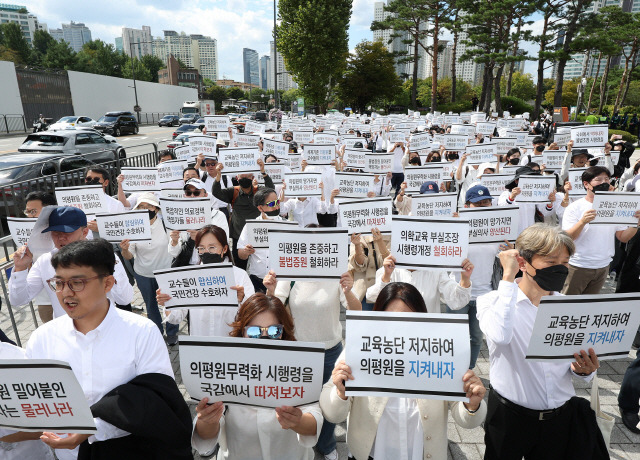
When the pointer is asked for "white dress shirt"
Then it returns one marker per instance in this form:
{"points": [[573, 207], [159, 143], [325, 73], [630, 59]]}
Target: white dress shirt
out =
{"points": [[151, 255], [122, 347], [218, 218], [506, 317], [305, 212], [434, 285], [254, 433], [399, 434], [258, 262], [112, 204], [482, 256], [527, 211], [26, 284]]}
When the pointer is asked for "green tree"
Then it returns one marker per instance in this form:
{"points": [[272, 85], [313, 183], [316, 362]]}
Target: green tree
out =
{"points": [[569, 94], [217, 94], [41, 42], [522, 86], [256, 95], [101, 58], [236, 93], [205, 81], [629, 29], [60, 56], [313, 39], [142, 73], [153, 64], [290, 95], [181, 63], [13, 39], [370, 77]]}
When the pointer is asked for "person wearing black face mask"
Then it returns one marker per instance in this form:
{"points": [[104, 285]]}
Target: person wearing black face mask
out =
{"points": [[595, 244], [150, 256], [526, 396]]}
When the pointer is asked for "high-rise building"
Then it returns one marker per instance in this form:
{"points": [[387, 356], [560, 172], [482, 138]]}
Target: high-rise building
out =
{"points": [[205, 56], [75, 34], [266, 72], [18, 13], [250, 66], [444, 61], [468, 70], [137, 41], [197, 51], [119, 47], [284, 78]]}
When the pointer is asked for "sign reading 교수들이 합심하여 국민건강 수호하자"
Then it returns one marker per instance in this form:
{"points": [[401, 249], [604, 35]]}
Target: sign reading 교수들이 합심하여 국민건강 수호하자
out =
{"points": [[492, 224], [589, 136], [131, 225], [258, 230], [616, 208], [186, 213], [566, 325], [309, 253], [140, 179], [43, 395], [403, 355], [419, 242], [89, 198], [434, 205], [198, 286], [20, 229], [253, 372], [535, 188], [361, 215]]}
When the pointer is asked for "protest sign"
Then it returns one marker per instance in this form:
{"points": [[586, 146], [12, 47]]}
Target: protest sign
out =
{"points": [[379, 163], [535, 189], [201, 143], [355, 158], [415, 176], [354, 185], [562, 139], [403, 355], [89, 198], [455, 141], [43, 395], [220, 135], [434, 205], [275, 171], [319, 154], [140, 179], [495, 183], [589, 136], [309, 253], [521, 137], [350, 141], [504, 144], [247, 140], [239, 159], [216, 123], [301, 184], [420, 141], [20, 229], [253, 372], [172, 193], [468, 130], [325, 138], [492, 224], [171, 172], [575, 178], [257, 230], [451, 119], [394, 137], [419, 243], [360, 216], [303, 137], [198, 286], [132, 225], [553, 159], [294, 161], [182, 152], [568, 324], [254, 127], [279, 149], [616, 208], [186, 213], [482, 153], [478, 117]]}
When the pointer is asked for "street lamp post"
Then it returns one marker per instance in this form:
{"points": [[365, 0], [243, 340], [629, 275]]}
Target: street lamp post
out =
{"points": [[133, 74], [275, 59]]}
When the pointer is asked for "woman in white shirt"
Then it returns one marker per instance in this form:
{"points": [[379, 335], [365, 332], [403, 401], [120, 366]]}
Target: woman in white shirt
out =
{"points": [[252, 433], [212, 248], [406, 428]]}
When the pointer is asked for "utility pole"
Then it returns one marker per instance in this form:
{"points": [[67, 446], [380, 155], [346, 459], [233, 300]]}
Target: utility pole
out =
{"points": [[275, 56]]}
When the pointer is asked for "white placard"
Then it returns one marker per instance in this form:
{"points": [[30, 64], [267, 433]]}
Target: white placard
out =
{"points": [[171, 171], [456, 142], [216, 123], [132, 225], [568, 324], [468, 130], [417, 355], [420, 141], [477, 117], [239, 160], [186, 213], [379, 163], [222, 135], [354, 185], [319, 154], [616, 208], [451, 119], [553, 159], [562, 139], [535, 189], [589, 136], [303, 137], [492, 224], [89, 198], [172, 193], [254, 127], [247, 140], [486, 127], [198, 286], [505, 144], [20, 229], [350, 141], [482, 153], [496, 182], [302, 184], [140, 179], [394, 137], [275, 171], [325, 138], [355, 158], [279, 149], [575, 178], [294, 161], [415, 176], [257, 230], [309, 253], [202, 143], [418, 243], [43, 395], [434, 205], [252, 372], [360, 216], [182, 152]]}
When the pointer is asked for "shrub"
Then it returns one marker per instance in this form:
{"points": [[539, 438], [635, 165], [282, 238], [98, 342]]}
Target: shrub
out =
{"points": [[518, 105], [626, 136]]}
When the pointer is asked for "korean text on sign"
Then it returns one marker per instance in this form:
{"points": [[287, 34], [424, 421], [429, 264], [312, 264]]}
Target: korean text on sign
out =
{"points": [[492, 224], [360, 216], [186, 213], [89, 198], [120, 226]]}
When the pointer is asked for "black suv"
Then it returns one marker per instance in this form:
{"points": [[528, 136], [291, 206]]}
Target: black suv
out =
{"points": [[117, 123]]}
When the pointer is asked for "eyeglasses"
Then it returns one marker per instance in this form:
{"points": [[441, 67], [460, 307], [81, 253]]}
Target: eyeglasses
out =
{"points": [[272, 332], [192, 192], [30, 212], [210, 249], [209, 164], [91, 180], [75, 284], [272, 204]]}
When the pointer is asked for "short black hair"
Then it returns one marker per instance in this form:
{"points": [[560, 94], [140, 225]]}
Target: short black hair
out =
{"points": [[97, 254], [166, 153], [406, 292], [270, 155], [261, 195], [539, 140], [512, 152], [593, 172], [98, 170], [46, 199], [190, 168]]}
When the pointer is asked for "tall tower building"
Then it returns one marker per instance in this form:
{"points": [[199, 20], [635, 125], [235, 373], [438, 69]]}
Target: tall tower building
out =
{"points": [[285, 80], [266, 72], [137, 41], [250, 66], [75, 34]]}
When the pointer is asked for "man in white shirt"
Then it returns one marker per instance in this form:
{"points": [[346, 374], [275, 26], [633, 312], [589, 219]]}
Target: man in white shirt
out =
{"points": [[106, 347], [528, 412], [66, 225], [305, 210], [595, 244]]}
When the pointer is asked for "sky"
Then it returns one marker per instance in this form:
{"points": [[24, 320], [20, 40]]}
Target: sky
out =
{"points": [[234, 24]]}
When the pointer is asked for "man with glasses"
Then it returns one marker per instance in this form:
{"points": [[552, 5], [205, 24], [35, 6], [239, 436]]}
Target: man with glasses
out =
{"points": [[66, 225], [208, 177], [595, 244]]}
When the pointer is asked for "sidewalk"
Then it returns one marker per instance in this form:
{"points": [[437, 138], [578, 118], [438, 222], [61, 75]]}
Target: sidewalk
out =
{"points": [[463, 444]]}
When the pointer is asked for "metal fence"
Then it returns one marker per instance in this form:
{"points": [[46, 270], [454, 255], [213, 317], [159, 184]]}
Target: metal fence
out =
{"points": [[13, 124]]}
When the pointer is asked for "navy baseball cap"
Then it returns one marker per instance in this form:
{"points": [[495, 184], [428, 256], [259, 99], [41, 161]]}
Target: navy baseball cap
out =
{"points": [[477, 193], [66, 219], [429, 187]]}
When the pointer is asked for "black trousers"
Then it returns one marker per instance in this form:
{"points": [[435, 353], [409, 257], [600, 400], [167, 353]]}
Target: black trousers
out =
{"points": [[237, 261], [630, 388], [510, 435]]}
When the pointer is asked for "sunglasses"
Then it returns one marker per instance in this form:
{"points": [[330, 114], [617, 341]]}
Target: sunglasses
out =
{"points": [[272, 204], [91, 180], [192, 192], [271, 332], [210, 163]]}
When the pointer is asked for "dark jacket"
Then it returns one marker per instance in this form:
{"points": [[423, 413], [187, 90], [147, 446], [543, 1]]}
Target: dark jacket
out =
{"points": [[585, 439], [183, 259]]}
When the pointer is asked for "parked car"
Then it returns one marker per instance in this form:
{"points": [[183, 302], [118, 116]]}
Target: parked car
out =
{"points": [[169, 120], [183, 129], [79, 142], [188, 118], [262, 115], [179, 140], [117, 123], [73, 121]]}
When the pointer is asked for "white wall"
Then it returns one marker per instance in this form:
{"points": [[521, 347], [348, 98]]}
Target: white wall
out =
{"points": [[94, 95], [10, 102]]}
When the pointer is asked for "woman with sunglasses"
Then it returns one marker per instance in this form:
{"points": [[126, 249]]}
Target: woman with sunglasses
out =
{"points": [[210, 247], [380, 427], [246, 432]]}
